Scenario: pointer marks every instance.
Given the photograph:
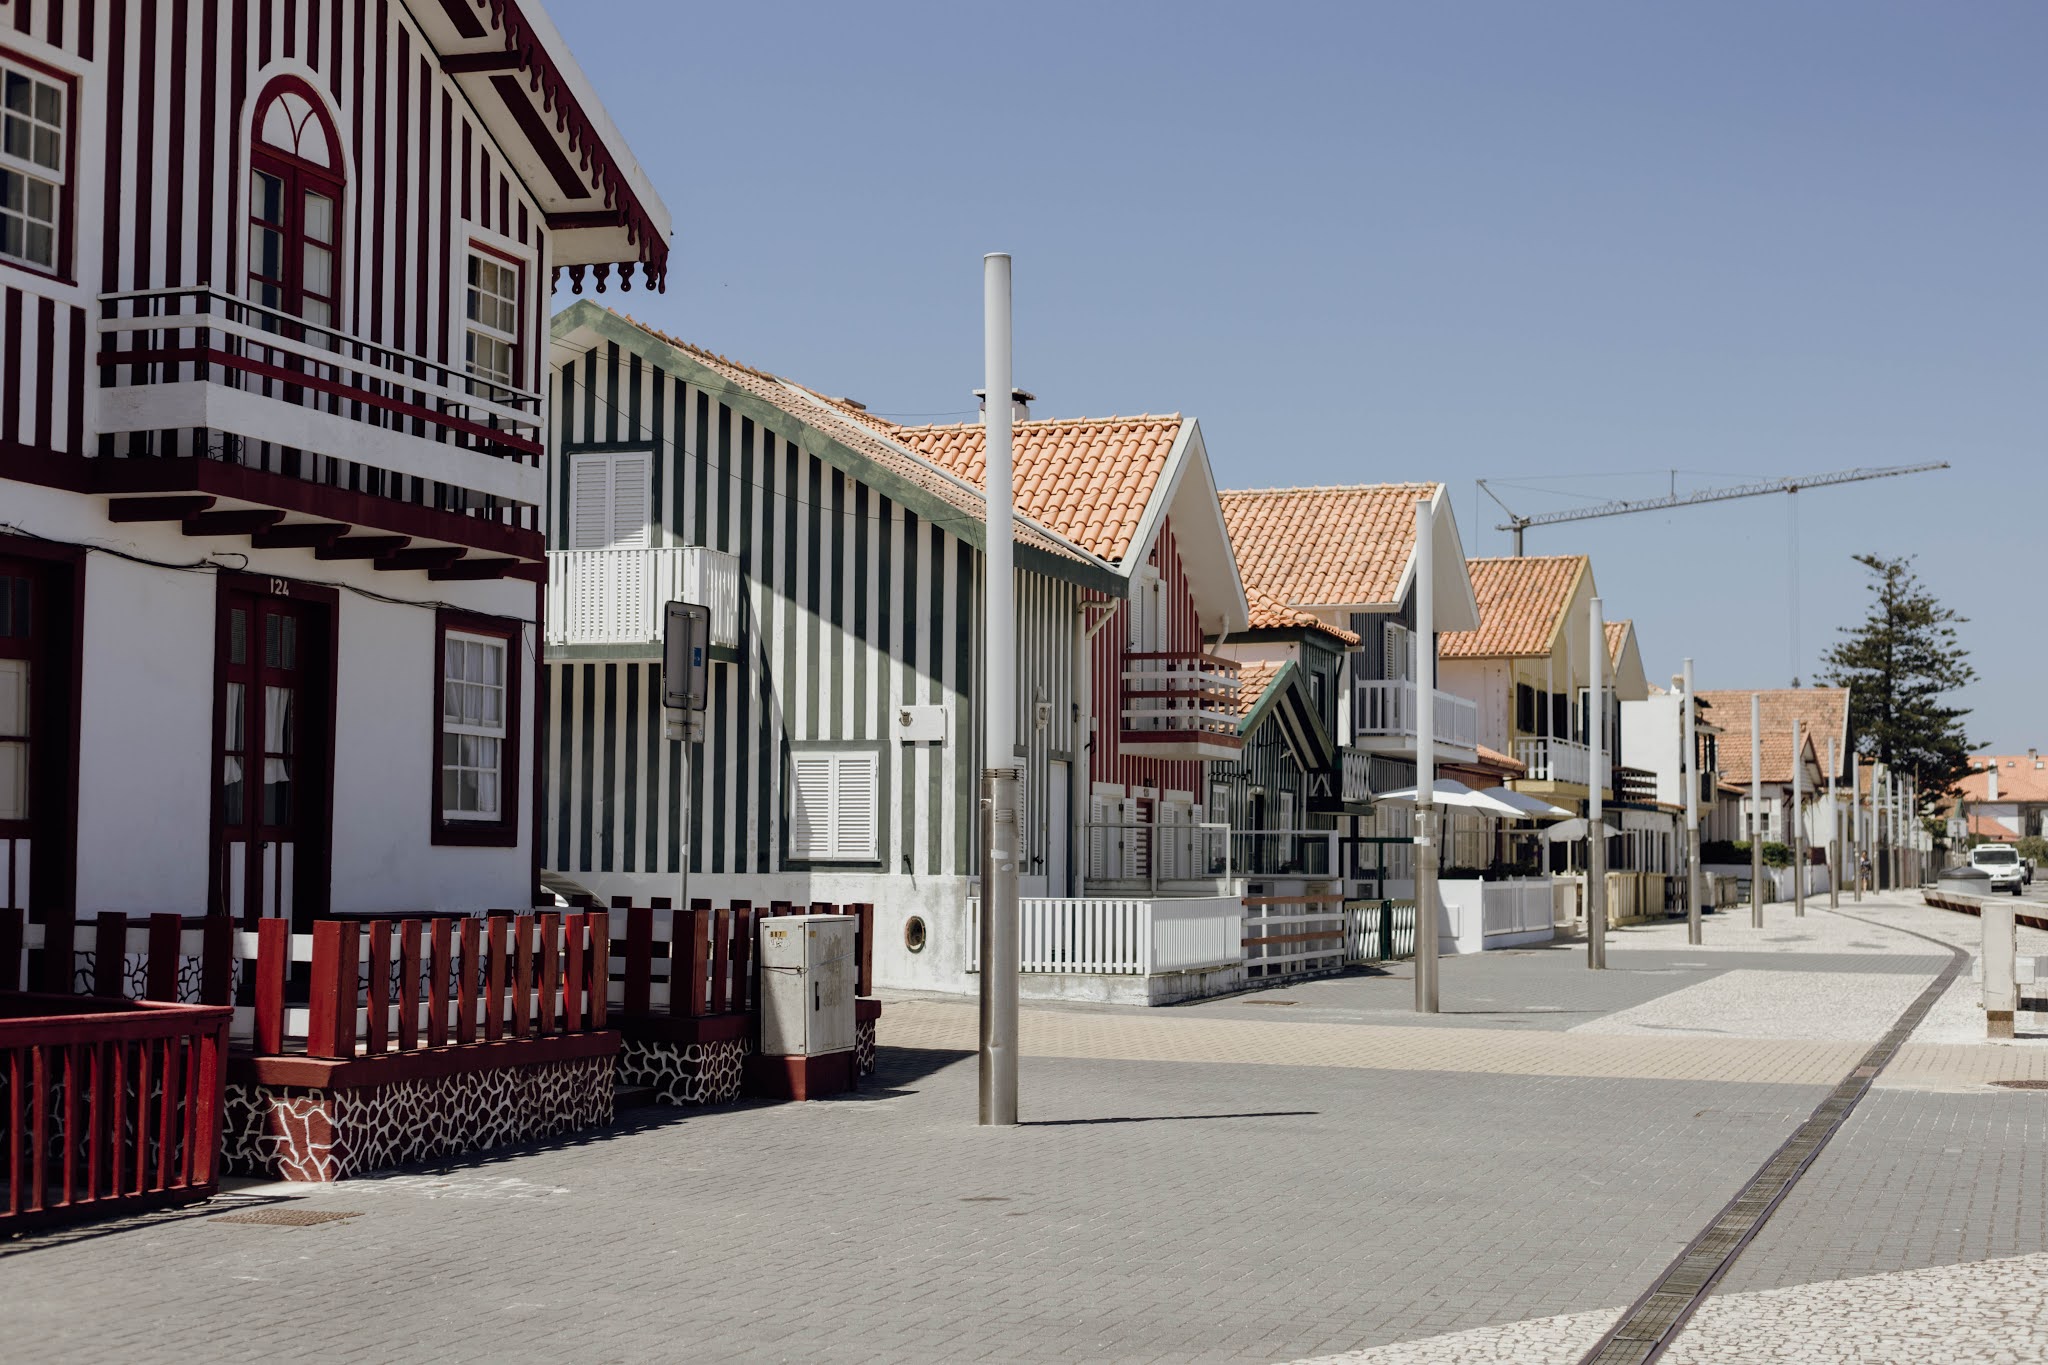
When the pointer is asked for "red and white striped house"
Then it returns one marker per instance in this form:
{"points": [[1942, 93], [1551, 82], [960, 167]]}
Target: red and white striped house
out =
{"points": [[274, 284]]}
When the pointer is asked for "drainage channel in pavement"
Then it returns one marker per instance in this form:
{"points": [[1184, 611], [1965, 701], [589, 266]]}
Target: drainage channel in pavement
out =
{"points": [[1647, 1329]]}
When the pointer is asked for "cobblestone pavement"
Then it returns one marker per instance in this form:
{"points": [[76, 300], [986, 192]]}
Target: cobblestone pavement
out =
{"points": [[1340, 1186]]}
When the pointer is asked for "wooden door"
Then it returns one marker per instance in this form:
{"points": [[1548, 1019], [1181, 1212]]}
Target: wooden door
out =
{"points": [[274, 684]]}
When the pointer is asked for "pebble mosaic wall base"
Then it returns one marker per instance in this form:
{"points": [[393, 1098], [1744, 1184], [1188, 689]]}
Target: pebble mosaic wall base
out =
{"points": [[711, 1073], [299, 1133], [686, 1073]]}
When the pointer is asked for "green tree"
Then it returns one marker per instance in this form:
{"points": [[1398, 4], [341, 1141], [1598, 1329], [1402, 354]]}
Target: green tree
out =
{"points": [[1898, 665]]}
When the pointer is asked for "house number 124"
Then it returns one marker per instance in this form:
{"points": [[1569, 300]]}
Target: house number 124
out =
{"points": [[280, 587]]}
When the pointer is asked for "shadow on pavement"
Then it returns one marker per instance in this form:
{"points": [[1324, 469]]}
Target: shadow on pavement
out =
{"points": [[1173, 1118]]}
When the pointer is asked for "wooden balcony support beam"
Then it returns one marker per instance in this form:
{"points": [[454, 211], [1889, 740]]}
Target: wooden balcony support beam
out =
{"points": [[426, 557], [172, 508], [475, 567], [299, 535], [362, 547], [240, 521]]}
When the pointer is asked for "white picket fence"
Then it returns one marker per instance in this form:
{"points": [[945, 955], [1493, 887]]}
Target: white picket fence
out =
{"points": [[1122, 936], [1287, 936], [1515, 907]]}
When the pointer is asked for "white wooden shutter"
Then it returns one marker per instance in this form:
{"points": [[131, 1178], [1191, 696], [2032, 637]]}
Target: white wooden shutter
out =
{"points": [[629, 500], [590, 502], [1399, 662], [835, 805], [608, 501], [855, 803], [1098, 838]]}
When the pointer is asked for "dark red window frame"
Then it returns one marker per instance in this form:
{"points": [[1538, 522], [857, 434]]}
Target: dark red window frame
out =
{"points": [[503, 832], [298, 177]]}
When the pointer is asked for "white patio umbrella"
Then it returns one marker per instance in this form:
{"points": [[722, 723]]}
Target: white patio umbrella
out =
{"points": [[1448, 791], [1534, 807]]}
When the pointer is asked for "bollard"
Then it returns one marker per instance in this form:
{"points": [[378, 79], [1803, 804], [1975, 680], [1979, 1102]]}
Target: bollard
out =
{"points": [[2001, 969]]}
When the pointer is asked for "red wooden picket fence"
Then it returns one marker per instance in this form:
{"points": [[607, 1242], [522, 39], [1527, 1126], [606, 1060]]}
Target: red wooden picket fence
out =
{"points": [[109, 1106], [709, 952], [412, 983]]}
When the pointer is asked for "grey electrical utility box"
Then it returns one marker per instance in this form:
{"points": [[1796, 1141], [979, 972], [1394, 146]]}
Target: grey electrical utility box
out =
{"points": [[807, 980]]}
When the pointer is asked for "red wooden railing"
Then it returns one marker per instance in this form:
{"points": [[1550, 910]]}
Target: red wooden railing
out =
{"points": [[108, 1106], [708, 954], [384, 985]]}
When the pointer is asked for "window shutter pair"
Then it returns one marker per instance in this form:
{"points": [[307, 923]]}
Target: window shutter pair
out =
{"points": [[836, 805], [608, 501]]}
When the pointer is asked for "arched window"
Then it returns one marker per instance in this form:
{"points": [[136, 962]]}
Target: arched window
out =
{"points": [[295, 188]]}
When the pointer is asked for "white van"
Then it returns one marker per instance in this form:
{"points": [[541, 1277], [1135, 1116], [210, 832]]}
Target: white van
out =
{"points": [[2002, 863]]}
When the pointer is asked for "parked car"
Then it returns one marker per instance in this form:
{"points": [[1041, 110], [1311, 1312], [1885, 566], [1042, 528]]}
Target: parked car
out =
{"points": [[2002, 863]]}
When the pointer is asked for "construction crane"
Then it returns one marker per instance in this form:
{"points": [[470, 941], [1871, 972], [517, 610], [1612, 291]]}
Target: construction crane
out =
{"points": [[1518, 523]]}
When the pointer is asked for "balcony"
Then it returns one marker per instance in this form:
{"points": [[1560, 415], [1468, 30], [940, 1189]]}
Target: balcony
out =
{"points": [[611, 602], [1556, 760], [1180, 706], [1635, 785], [270, 410], [1384, 715]]}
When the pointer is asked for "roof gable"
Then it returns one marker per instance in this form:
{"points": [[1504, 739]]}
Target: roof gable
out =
{"points": [[1523, 603], [1822, 712], [1346, 548]]}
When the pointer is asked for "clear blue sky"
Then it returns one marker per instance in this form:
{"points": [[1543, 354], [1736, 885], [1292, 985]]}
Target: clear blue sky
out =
{"points": [[1376, 241]]}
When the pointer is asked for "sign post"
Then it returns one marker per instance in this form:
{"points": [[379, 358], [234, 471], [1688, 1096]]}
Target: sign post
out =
{"points": [[685, 640]]}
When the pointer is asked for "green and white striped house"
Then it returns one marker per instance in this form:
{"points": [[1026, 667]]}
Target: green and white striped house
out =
{"points": [[841, 558]]}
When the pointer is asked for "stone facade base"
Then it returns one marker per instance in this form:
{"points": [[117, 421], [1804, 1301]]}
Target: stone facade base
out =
{"points": [[319, 1133], [705, 1061]]}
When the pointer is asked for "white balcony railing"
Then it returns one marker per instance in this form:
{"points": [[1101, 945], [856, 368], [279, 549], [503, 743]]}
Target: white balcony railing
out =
{"points": [[1557, 760], [198, 359], [1357, 774], [617, 597], [1180, 694], [1388, 708]]}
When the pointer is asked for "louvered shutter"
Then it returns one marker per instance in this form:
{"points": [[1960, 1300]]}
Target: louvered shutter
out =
{"points": [[590, 502], [1398, 662], [628, 528], [854, 807], [810, 816], [1098, 838]]}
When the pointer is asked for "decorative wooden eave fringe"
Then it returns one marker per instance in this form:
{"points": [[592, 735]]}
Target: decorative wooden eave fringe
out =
{"points": [[596, 158]]}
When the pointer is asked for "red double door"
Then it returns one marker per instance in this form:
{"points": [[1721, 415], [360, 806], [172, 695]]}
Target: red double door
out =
{"points": [[273, 728]]}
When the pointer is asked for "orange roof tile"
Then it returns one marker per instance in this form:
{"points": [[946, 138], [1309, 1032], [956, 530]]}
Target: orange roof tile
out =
{"points": [[1270, 613], [1331, 547], [1254, 679], [2019, 779], [862, 432], [1521, 602], [1617, 636], [1820, 711], [1988, 827], [1494, 758], [1087, 479]]}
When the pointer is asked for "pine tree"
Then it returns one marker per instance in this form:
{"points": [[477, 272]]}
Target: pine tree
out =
{"points": [[1898, 664]]}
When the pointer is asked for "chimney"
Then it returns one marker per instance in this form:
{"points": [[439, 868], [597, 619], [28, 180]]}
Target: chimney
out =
{"points": [[1991, 789], [1020, 404]]}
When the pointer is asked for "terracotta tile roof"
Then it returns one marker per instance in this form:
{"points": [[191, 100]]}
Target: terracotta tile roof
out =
{"points": [[1327, 547], [1494, 758], [1254, 679], [1821, 712], [863, 433], [1617, 636], [1520, 604], [1988, 827], [1087, 479], [2018, 779], [1269, 613]]}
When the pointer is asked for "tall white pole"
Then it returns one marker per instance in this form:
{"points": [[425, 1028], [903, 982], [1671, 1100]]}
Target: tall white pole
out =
{"points": [[1596, 823], [1834, 832], [1000, 945], [1692, 812], [1798, 822], [1856, 823], [1756, 811], [1425, 759]]}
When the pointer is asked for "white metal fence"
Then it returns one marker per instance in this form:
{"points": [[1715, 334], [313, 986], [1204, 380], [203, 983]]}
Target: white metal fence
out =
{"points": [[1515, 907]]}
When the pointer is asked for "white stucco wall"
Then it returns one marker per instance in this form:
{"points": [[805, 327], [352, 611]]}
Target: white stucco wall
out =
{"points": [[145, 748]]}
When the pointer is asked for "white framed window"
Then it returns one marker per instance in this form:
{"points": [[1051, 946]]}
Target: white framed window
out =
{"points": [[33, 109], [491, 317], [835, 807], [474, 679], [609, 497]]}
